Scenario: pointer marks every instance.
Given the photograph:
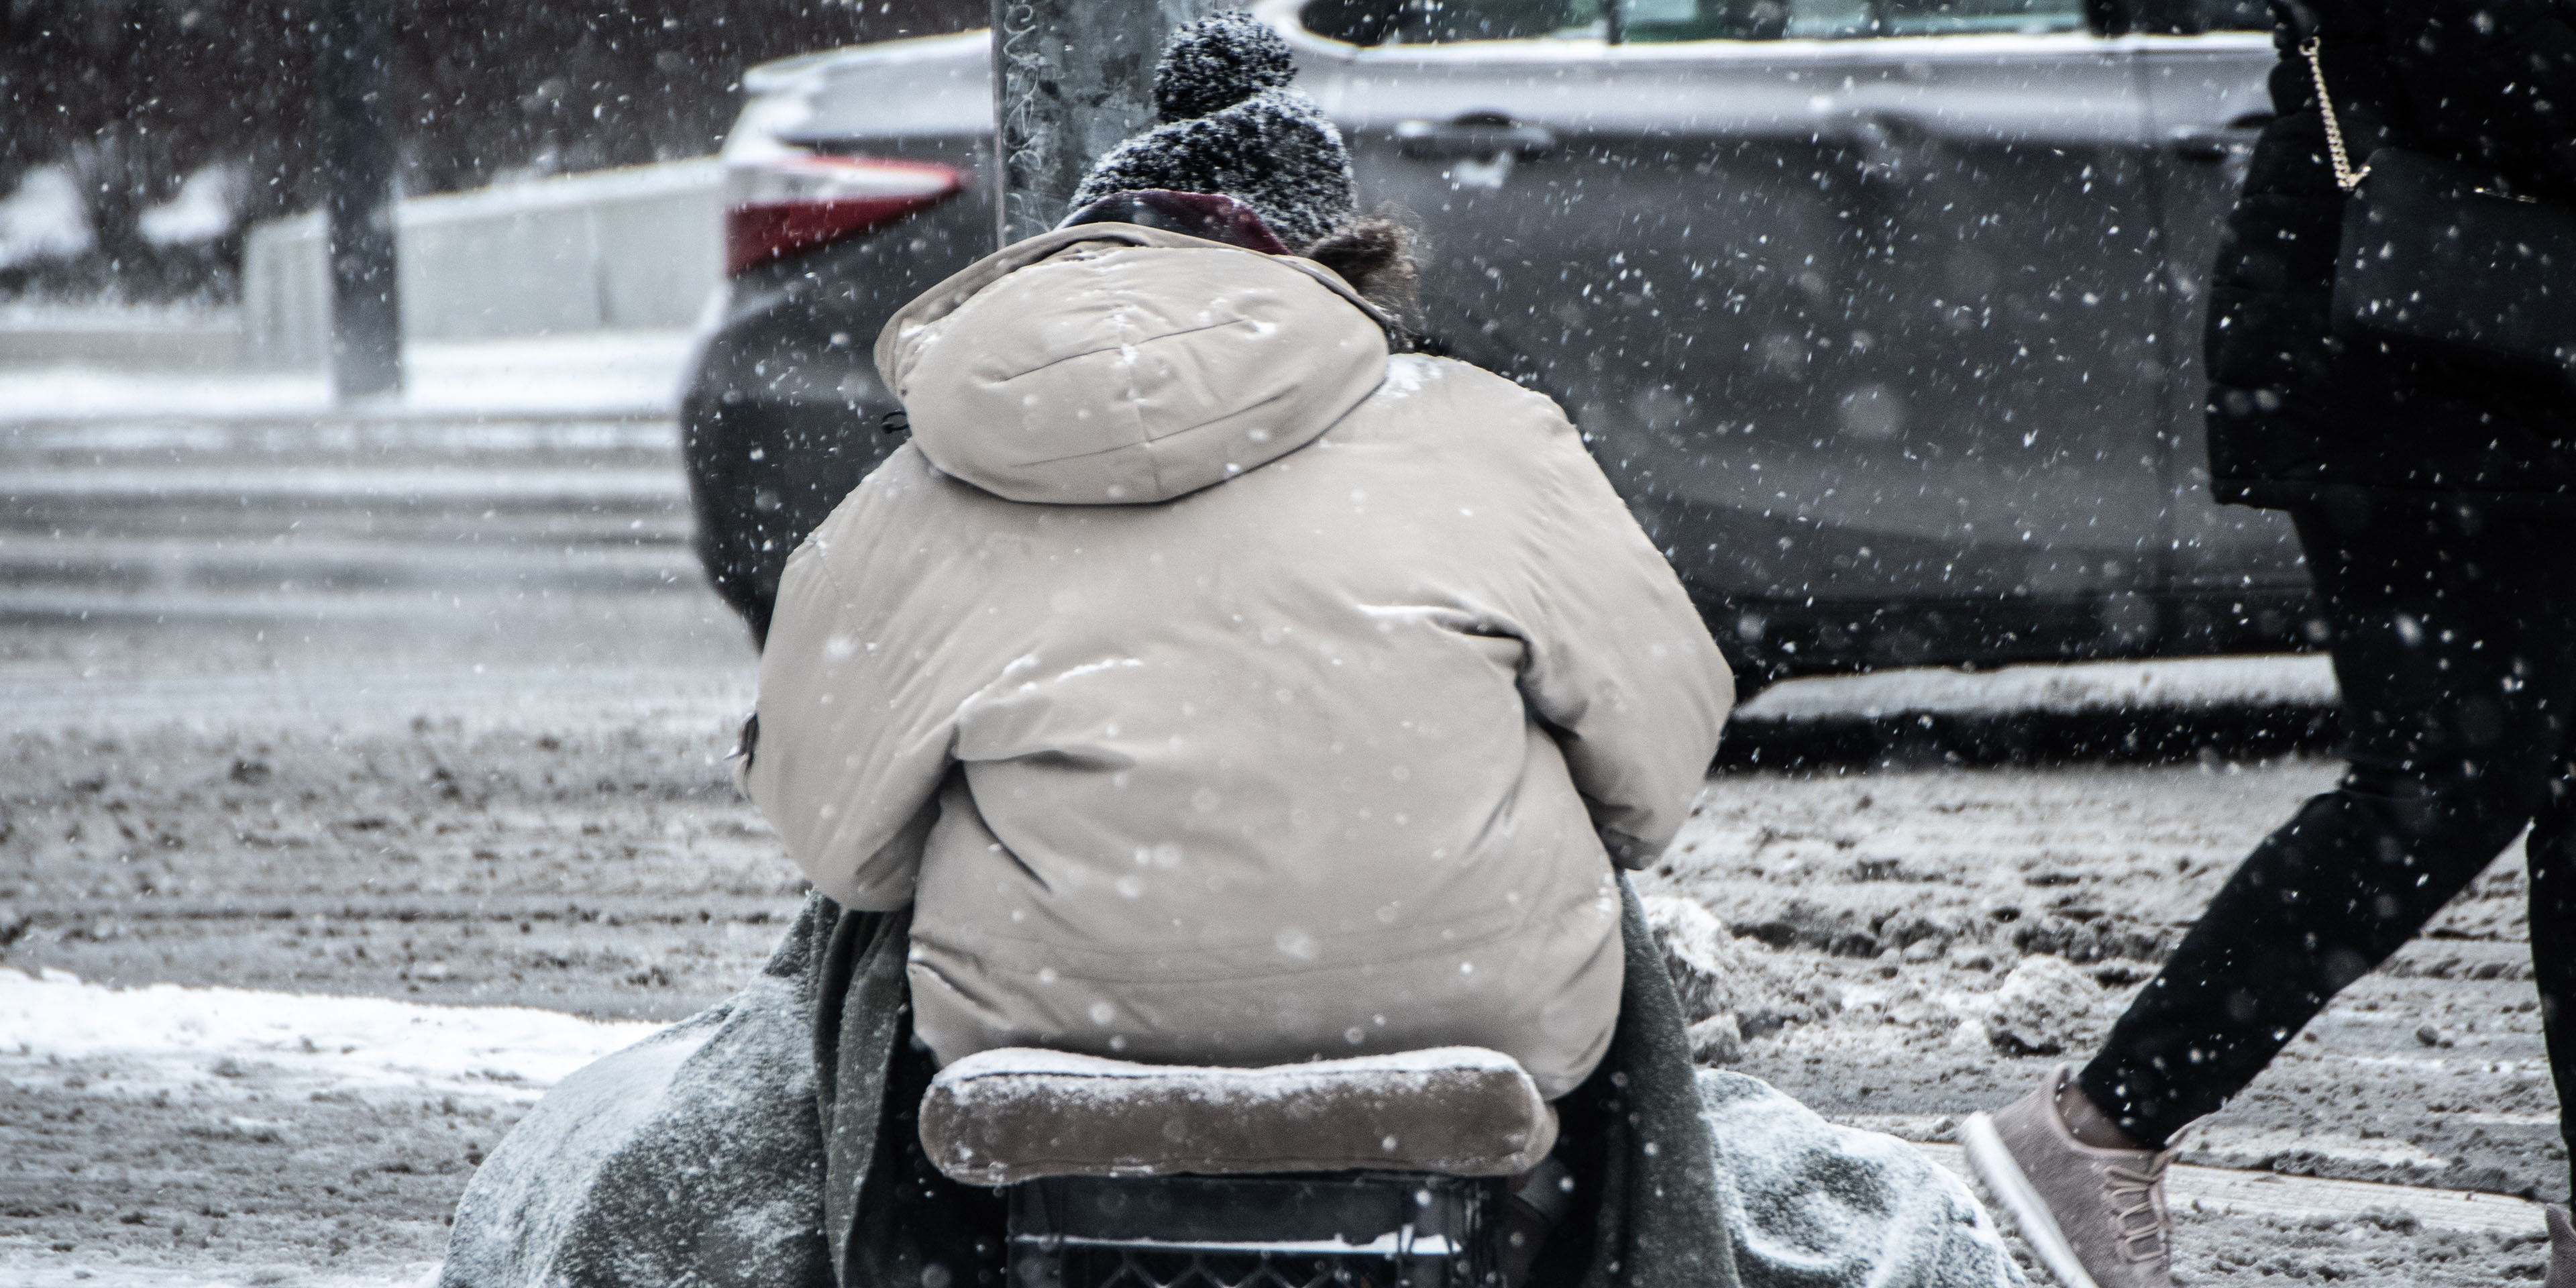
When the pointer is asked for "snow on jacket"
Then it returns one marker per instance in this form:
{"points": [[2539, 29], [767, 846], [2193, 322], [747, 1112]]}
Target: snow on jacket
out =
{"points": [[1220, 689]]}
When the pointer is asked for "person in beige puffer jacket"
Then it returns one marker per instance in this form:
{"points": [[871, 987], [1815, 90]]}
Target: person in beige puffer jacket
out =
{"points": [[1220, 688]]}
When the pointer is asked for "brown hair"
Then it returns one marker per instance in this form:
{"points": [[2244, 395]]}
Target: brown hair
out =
{"points": [[1375, 254]]}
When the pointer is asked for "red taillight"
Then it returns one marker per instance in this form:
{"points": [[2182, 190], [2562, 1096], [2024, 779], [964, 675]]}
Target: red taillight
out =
{"points": [[794, 204]]}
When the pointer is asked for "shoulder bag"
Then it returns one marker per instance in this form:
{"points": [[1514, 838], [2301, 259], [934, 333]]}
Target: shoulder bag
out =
{"points": [[2434, 250]]}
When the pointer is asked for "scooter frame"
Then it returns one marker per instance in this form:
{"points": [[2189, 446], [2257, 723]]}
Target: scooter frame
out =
{"points": [[1337, 1230]]}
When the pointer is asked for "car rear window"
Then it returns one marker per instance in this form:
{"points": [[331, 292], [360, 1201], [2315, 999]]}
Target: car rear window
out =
{"points": [[1963, 17], [1439, 22], [1668, 21]]}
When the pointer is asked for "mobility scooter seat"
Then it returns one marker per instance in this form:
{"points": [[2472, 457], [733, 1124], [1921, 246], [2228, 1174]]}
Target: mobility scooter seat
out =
{"points": [[1016, 1114], [1377, 1172]]}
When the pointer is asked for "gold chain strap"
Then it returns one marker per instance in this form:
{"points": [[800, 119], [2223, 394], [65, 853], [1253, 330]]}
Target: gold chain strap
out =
{"points": [[2346, 177]]}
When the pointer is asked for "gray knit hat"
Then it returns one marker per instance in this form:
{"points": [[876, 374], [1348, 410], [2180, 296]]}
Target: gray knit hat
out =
{"points": [[1231, 126]]}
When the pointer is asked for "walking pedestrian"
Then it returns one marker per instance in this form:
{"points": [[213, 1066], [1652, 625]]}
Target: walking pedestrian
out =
{"points": [[2433, 490]]}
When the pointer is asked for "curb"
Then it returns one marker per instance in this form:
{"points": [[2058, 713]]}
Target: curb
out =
{"points": [[2222, 1191], [2145, 734]]}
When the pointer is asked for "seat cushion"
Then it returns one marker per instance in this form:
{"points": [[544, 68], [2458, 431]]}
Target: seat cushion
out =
{"points": [[1017, 1114]]}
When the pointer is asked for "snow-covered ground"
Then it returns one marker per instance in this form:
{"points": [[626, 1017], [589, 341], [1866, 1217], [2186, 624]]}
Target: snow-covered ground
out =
{"points": [[456, 832], [603, 374], [246, 1069], [173, 1078], [163, 1037], [422, 1274], [365, 840]]}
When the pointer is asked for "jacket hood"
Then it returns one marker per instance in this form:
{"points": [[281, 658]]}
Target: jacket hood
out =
{"points": [[1109, 364]]}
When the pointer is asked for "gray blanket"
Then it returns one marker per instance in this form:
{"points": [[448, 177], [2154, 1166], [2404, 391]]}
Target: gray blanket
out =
{"points": [[770, 1142]]}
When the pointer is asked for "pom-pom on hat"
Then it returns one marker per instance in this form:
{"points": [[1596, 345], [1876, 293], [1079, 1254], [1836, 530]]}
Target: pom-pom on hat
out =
{"points": [[1217, 62], [1232, 127]]}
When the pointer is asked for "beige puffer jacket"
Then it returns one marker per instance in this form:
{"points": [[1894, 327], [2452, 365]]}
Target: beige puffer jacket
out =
{"points": [[1221, 690]]}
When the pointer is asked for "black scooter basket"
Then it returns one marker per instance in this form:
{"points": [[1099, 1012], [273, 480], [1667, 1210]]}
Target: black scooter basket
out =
{"points": [[1350, 1230]]}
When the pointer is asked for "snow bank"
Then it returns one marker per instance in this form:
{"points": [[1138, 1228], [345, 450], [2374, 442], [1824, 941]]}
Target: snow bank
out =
{"points": [[112, 1275], [1731, 990], [2044, 1007], [166, 1035], [599, 373], [2179, 683]]}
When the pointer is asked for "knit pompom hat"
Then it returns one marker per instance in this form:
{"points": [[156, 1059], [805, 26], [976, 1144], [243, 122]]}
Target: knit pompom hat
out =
{"points": [[1232, 127]]}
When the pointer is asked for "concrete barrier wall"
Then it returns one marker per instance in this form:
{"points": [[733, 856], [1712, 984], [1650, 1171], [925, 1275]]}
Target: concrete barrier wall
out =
{"points": [[286, 295], [118, 336], [630, 249]]}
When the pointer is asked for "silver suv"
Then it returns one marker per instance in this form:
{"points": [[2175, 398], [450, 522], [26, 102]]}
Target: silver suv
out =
{"points": [[1884, 315]]}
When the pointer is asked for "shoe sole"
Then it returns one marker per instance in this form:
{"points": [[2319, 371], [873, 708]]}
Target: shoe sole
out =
{"points": [[2004, 1179]]}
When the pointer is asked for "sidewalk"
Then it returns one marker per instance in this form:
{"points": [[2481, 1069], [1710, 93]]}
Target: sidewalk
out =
{"points": [[608, 375]]}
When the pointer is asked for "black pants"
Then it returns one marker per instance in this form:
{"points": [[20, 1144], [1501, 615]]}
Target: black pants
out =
{"points": [[2455, 646]]}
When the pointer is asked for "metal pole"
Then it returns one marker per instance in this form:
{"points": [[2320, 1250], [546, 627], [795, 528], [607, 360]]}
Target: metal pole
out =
{"points": [[1071, 78], [351, 76]]}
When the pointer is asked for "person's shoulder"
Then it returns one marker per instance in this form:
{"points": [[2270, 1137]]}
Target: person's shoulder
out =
{"points": [[900, 494], [1468, 396], [1489, 431], [904, 483]]}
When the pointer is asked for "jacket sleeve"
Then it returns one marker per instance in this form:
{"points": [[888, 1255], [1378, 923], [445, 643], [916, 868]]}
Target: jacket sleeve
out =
{"points": [[848, 764], [1618, 665]]}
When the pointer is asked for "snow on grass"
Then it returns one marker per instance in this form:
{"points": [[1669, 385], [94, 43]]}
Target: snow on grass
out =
{"points": [[201, 211], [44, 218], [56, 1030]]}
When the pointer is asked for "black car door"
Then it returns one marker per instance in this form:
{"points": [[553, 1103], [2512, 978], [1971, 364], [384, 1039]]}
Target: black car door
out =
{"points": [[2237, 580], [1852, 297]]}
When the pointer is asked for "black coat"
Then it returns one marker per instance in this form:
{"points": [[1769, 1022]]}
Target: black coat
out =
{"points": [[2300, 413]]}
